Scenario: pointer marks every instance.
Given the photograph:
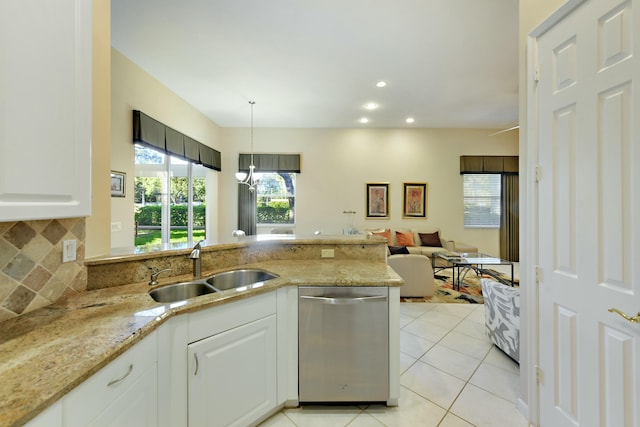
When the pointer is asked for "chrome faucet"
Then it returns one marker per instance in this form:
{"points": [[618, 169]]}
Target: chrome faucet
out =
{"points": [[195, 256], [155, 274]]}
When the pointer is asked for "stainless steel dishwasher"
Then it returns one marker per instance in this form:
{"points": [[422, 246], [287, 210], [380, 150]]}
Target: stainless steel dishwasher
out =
{"points": [[343, 338]]}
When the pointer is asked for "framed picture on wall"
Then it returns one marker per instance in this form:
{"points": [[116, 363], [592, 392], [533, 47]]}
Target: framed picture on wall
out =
{"points": [[118, 184], [377, 201], [414, 201]]}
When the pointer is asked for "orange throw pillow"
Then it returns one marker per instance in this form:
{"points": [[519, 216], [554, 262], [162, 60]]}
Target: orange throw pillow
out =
{"points": [[405, 238], [386, 234]]}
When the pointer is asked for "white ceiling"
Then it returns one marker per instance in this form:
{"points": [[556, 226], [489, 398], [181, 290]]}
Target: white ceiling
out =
{"points": [[314, 63]]}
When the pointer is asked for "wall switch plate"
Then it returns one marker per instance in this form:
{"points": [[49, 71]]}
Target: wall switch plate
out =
{"points": [[68, 250], [116, 226], [327, 253]]}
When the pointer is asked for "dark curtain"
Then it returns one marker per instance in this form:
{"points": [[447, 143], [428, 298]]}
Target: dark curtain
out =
{"points": [[509, 218], [246, 210]]}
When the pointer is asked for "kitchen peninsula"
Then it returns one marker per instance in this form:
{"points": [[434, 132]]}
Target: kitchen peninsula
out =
{"points": [[46, 355]]}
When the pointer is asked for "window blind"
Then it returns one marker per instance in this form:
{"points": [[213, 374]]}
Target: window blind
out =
{"points": [[482, 200]]}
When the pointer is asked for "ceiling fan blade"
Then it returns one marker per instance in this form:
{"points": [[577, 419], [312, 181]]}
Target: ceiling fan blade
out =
{"points": [[505, 130]]}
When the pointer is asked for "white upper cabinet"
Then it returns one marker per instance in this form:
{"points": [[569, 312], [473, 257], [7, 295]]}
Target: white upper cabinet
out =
{"points": [[45, 109]]}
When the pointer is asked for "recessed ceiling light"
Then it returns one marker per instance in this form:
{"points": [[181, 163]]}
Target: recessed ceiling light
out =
{"points": [[371, 106], [410, 120], [364, 120], [381, 83]]}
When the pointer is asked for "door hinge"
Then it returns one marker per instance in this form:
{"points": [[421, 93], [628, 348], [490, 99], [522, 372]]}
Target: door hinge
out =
{"points": [[538, 274], [538, 173], [536, 73], [539, 374]]}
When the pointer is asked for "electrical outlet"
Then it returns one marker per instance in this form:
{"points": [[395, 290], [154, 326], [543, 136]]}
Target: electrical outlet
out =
{"points": [[68, 250], [327, 253], [116, 226]]}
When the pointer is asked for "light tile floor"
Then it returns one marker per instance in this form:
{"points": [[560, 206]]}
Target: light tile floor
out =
{"points": [[451, 376]]}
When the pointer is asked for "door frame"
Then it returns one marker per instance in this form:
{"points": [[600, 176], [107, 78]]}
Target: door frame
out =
{"points": [[529, 403]]}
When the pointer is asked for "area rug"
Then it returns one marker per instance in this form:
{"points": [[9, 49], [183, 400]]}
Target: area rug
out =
{"points": [[470, 290]]}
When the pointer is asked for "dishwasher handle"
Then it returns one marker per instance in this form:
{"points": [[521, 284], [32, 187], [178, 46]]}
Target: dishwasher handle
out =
{"points": [[344, 300]]}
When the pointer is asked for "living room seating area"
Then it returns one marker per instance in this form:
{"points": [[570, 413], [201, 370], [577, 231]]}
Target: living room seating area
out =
{"points": [[420, 242]]}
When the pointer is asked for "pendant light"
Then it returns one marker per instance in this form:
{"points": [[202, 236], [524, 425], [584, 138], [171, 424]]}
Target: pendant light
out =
{"points": [[253, 177]]}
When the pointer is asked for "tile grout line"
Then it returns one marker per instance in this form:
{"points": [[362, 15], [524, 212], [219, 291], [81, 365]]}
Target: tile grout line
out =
{"points": [[448, 409]]}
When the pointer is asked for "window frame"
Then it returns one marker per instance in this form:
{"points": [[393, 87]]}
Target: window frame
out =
{"points": [[167, 173], [293, 209]]}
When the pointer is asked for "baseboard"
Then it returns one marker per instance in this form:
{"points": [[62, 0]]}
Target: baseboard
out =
{"points": [[522, 406]]}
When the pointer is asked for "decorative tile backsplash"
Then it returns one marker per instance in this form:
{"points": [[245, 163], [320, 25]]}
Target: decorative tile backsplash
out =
{"points": [[32, 274]]}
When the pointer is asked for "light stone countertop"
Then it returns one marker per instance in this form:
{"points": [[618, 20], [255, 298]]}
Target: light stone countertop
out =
{"points": [[48, 352]]}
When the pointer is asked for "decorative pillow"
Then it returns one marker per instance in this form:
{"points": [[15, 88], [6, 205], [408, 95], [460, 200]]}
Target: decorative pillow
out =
{"points": [[395, 250], [430, 239], [405, 238], [386, 234]]}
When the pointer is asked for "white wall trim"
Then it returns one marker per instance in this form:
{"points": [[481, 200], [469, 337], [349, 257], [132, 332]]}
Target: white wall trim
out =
{"points": [[529, 249], [555, 17]]}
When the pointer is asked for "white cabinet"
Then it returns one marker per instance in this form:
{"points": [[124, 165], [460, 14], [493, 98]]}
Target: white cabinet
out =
{"points": [[232, 363], [45, 109], [122, 393], [232, 378], [51, 417]]}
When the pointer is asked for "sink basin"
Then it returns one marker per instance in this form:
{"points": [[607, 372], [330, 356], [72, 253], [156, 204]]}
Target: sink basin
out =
{"points": [[181, 291], [238, 278]]}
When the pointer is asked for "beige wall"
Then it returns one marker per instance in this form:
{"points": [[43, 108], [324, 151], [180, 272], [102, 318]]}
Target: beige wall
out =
{"points": [[336, 164], [134, 89], [97, 233]]}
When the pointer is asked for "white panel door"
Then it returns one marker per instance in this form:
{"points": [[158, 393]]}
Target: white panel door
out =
{"points": [[589, 212], [45, 109]]}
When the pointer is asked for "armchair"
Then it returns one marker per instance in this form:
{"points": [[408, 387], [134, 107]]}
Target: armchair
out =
{"points": [[417, 273], [502, 316]]}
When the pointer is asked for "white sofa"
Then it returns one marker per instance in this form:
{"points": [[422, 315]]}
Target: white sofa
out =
{"points": [[416, 272]]}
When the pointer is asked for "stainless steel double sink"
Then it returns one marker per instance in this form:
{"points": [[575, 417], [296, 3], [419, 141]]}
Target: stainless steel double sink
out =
{"points": [[216, 283]]}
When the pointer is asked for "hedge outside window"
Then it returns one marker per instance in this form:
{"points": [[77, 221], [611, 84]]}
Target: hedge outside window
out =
{"points": [[276, 198]]}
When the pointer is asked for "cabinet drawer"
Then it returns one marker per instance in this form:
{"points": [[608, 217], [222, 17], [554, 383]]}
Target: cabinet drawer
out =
{"points": [[205, 323], [89, 399]]}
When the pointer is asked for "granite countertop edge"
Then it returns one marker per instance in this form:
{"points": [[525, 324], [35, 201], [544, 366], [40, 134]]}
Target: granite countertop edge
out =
{"points": [[47, 353]]}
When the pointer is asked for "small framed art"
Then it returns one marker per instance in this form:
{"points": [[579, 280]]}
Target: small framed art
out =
{"points": [[414, 201], [377, 201], [118, 184]]}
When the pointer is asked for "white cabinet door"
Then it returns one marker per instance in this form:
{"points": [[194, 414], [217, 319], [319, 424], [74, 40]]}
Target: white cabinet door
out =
{"points": [[232, 375], [45, 109], [121, 394], [51, 417]]}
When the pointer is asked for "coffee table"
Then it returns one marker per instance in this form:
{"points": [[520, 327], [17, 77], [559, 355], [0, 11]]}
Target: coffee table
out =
{"points": [[461, 263]]}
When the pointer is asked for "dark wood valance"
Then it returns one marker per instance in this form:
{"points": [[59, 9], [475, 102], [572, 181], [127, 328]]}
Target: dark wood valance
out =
{"points": [[150, 132], [506, 165]]}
